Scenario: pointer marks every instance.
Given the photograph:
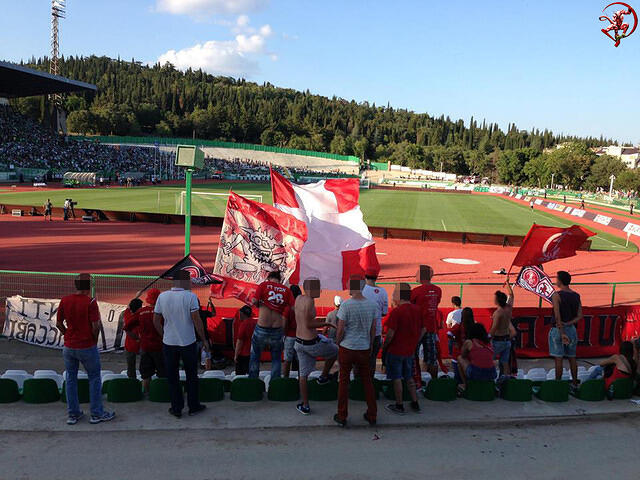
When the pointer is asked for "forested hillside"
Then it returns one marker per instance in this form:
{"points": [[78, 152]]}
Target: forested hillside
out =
{"points": [[134, 99]]}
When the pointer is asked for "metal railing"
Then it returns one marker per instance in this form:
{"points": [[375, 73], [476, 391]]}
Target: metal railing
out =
{"points": [[121, 288]]}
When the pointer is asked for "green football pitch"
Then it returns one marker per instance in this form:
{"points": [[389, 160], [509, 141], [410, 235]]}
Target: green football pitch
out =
{"points": [[386, 208]]}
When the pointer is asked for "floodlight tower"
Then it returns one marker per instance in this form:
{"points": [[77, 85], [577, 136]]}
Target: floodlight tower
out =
{"points": [[58, 11]]}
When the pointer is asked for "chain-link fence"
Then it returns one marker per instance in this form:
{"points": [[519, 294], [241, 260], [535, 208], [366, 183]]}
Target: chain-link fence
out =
{"points": [[121, 288]]}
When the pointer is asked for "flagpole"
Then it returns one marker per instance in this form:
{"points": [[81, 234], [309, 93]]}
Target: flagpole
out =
{"points": [[187, 219]]}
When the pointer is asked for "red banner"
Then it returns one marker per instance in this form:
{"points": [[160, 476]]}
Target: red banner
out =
{"points": [[599, 333]]}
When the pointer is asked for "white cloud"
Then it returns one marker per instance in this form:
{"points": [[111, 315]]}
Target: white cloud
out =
{"points": [[216, 57], [237, 57], [198, 8]]}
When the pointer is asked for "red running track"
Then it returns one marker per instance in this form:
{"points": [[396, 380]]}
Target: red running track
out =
{"points": [[30, 243]]}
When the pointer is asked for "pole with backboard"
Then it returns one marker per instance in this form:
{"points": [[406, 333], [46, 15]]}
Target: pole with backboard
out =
{"points": [[191, 158]]}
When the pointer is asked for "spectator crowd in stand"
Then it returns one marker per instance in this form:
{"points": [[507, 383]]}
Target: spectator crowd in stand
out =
{"points": [[171, 328], [25, 143]]}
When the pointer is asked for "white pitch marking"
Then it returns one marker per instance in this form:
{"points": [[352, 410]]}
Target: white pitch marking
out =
{"points": [[443, 225]]}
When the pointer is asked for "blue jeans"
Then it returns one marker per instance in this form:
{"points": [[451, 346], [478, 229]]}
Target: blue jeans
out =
{"points": [[263, 338], [597, 372], [90, 359]]}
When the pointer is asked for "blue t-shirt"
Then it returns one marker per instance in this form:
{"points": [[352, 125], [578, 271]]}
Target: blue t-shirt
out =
{"points": [[358, 317]]}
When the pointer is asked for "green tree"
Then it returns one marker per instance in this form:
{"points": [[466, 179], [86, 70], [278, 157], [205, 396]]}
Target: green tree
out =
{"points": [[81, 121], [603, 167]]}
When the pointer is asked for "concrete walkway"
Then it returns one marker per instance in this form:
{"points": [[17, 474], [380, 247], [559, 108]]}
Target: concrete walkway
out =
{"points": [[228, 415]]}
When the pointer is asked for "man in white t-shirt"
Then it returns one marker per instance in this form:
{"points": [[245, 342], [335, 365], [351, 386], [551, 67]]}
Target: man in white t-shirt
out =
{"points": [[177, 319], [380, 297], [454, 318]]}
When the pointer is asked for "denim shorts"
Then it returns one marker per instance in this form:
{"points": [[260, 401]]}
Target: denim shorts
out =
{"points": [[502, 350], [399, 367], [477, 373], [557, 348], [289, 350]]}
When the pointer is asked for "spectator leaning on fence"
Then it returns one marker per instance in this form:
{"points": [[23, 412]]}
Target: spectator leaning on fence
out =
{"points": [[78, 319], [177, 318], [290, 334]]}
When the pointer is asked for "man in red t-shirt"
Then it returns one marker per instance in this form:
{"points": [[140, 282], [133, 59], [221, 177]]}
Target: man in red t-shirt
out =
{"points": [[404, 330], [246, 325], [427, 296], [151, 357], [273, 300], [78, 319], [132, 340]]}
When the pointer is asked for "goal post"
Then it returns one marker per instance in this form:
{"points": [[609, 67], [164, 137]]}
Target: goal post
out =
{"points": [[212, 196]]}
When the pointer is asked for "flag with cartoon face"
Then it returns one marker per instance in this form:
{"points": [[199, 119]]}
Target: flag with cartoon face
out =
{"points": [[257, 239]]}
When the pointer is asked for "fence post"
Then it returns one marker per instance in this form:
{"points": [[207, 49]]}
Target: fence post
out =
{"points": [[93, 286], [461, 288], [613, 295]]}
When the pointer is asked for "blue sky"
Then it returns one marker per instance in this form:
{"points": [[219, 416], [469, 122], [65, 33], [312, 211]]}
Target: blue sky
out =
{"points": [[538, 63]]}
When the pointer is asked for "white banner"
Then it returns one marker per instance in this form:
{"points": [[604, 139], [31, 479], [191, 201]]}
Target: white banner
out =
{"points": [[33, 320], [632, 229], [578, 212], [568, 210], [538, 201], [604, 220]]}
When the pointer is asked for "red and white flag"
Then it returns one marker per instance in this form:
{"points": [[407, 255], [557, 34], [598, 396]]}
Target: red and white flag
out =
{"points": [[339, 243], [543, 244], [255, 239]]}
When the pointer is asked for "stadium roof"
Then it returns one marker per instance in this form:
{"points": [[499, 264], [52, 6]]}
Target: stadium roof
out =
{"points": [[19, 81]]}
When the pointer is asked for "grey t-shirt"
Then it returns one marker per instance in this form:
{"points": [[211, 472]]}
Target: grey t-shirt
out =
{"points": [[358, 316]]}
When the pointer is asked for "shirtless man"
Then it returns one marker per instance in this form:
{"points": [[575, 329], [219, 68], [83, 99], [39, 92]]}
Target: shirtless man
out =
{"points": [[273, 300], [502, 330], [309, 345]]}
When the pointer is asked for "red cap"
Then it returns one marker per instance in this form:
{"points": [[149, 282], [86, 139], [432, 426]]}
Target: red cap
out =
{"points": [[152, 296]]}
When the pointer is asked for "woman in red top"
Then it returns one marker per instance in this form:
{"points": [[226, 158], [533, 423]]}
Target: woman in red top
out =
{"points": [[132, 340], [620, 365], [476, 358]]}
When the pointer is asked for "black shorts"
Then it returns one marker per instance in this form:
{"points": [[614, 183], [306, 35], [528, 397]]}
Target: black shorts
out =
{"points": [[152, 363], [242, 365]]}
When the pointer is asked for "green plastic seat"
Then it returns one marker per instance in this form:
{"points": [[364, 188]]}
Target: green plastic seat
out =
{"points": [[356, 390], [83, 391], [284, 390], [516, 390], [322, 393], [40, 390], [211, 390], [480, 390], [227, 385], [591, 390], [390, 394], [622, 388], [159, 390], [247, 390], [9, 391], [553, 391], [442, 389], [123, 390]]}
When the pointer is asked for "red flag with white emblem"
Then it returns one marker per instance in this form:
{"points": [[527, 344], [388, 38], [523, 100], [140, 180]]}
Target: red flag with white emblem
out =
{"points": [[543, 244]]}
